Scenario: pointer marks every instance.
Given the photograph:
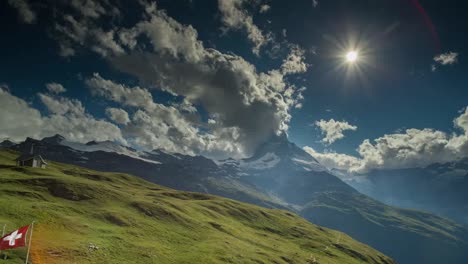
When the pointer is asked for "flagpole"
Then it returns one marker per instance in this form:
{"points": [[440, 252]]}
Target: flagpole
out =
{"points": [[29, 244], [3, 232]]}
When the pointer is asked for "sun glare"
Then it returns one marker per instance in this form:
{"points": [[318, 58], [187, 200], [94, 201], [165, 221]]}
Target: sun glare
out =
{"points": [[351, 56]]}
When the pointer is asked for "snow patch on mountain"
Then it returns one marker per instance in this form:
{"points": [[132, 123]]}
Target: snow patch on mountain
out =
{"points": [[107, 146], [309, 164], [267, 161]]}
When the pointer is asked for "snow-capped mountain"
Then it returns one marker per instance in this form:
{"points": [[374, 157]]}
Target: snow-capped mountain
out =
{"points": [[276, 153], [278, 165]]}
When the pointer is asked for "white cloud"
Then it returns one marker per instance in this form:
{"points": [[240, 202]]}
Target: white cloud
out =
{"points": [[414, 148], [25, 12], [333, 130], [167, 36], [264, 8], [158, 126], [129, 96], [334, 160], [255, 104], [55, 88], [408, 149], [67, 117], [447, 58], [18, 119], [62, 105], [118, 115], [249, 106], [234, 16], [186, 106], [294, 63], [82, 129], [211, 121], [166, 128], [89, 8], [78, 27]]}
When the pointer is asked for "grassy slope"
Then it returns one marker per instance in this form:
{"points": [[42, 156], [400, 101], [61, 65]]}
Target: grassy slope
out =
{"points": [[134, 221]]}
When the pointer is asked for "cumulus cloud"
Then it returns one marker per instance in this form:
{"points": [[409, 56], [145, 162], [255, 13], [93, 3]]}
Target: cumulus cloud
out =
{"points": [[79, 27], [334, 160], [256, 105], [234, 16], [62, 105], [186, 106], [157, 126], [55, 88], [166, 128], [333, 130], [67, 117], [118, 115], [93, 8], [264, 8], [18, 119], [294, 62], [129, 96], [211, 121], [25, 12], [448, 58], [409, 149], [248, 106]]}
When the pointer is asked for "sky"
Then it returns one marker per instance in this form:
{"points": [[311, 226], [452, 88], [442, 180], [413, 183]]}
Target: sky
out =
{"points": [[220, 77]]}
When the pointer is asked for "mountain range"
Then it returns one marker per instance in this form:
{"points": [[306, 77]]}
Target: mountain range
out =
{"points": [[278, 175], [437, 188]]}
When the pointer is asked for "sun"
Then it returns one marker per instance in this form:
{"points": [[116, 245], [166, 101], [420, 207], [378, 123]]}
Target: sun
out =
{"points": [[352, 56]]}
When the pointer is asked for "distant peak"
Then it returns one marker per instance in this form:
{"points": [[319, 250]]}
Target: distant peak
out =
{"points": [[281, 147], [7, 143], [91, 143], [30, 140], [56, 139], [105, 142]]}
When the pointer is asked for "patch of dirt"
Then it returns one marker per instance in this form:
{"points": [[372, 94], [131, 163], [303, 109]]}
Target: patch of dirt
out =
{"points": [[95, 177], [287, 260], [351, 252], [61, 190], [218, 227], [116, 219], [33, 195], [187, 195], [158, 212]]}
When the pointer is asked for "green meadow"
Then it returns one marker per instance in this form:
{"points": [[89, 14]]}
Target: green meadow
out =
{"points": [[85, 216]]}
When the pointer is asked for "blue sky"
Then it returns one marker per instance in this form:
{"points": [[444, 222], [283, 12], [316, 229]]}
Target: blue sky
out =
{"points": [[392, 87]]}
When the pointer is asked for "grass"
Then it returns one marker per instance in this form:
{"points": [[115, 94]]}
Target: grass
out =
{"points": [[84, 216]]}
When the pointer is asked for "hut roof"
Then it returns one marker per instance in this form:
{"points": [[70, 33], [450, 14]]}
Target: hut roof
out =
{"points": [[25, 157]]}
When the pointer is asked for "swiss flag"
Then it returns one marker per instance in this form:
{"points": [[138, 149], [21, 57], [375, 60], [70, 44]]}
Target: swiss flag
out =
{"points": [[14, 239]]}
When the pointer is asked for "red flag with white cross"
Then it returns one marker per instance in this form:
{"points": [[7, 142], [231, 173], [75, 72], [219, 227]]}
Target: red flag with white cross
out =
{"points": [[14, 239]]}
